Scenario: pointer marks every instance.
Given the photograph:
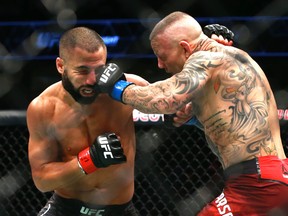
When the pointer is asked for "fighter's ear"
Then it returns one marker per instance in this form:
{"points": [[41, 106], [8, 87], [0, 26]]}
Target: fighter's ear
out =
{"points": [[60, 65], [186, 47]]}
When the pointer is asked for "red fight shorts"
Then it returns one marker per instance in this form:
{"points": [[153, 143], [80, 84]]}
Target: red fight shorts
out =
{"points": [[258, 187]]}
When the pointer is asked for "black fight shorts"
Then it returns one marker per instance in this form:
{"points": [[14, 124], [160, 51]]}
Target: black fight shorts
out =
{"points": [[59, 206]]}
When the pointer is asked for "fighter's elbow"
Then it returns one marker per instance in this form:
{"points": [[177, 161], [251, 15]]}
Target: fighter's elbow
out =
{"points": [[41, 184]]}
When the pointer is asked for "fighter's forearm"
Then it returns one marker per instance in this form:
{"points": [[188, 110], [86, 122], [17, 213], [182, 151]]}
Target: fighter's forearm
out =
{"points": [[56, 175], [151, 99]]}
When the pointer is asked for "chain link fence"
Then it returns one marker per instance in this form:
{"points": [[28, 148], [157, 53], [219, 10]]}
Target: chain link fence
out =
{"points": [[175, 173]]}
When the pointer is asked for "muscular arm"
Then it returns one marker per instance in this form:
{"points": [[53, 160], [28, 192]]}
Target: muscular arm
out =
{"points": [[48, 170], [172, 94]]}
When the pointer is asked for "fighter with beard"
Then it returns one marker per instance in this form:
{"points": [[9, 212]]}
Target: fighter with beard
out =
{"points": [[74, 146]]}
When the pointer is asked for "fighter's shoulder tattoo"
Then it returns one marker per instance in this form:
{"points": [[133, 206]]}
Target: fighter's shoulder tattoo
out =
{"points": [[195, 71]]}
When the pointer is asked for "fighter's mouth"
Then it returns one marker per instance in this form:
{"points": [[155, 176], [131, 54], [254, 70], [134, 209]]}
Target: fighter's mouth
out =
{"points": [[86, 92]]}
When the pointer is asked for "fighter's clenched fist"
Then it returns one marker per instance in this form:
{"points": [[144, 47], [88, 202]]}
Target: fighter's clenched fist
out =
{"points": [[112, 80], [219, 33], [105, 151]]}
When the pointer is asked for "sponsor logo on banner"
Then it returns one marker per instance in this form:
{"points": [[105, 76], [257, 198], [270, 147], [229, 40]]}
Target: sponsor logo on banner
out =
{"points": [[140, 117], [283, 114], [147, 118]]}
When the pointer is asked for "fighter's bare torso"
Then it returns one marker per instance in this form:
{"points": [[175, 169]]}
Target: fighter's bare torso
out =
{"points": [[230, 95], [70, 127], [236, 105]]}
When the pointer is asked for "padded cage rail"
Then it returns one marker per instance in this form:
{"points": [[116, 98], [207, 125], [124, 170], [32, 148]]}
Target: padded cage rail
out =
{"points": [[175, 171], [12, 117]]}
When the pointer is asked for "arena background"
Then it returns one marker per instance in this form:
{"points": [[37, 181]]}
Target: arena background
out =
{"points": [[176, 174]]}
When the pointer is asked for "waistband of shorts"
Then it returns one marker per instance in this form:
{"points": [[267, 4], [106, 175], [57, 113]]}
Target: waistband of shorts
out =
{"points": [[77, 204], [245, 167]]}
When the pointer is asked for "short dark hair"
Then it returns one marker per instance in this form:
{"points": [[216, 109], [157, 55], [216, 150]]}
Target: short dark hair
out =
{"points": [[82, 37]]}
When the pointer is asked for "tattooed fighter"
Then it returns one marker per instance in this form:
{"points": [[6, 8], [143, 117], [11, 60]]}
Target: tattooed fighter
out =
{"points": [[233, 102]]}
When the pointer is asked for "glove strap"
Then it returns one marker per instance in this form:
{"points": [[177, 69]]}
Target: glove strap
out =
{"points": [[118, 89], [194, 121], [85, 162]]}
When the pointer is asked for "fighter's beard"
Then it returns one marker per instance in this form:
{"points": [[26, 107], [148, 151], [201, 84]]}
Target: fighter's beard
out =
{"points": [[68, 86]]}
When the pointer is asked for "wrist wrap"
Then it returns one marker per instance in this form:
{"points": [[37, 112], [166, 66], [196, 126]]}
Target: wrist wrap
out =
{"points": [[194, 121], [118, 89], [85, 162]]}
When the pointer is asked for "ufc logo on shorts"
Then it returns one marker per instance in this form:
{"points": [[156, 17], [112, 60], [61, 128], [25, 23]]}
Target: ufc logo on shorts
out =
{"points": [[94, 212], [106, 74], [104, 144]]}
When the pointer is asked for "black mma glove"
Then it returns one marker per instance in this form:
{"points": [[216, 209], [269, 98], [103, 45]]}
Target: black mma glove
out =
{"points": [[112, 81], [218, 30], [105, 151]]}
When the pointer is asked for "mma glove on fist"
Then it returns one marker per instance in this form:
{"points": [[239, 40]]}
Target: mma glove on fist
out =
{"points": [[105, 151], [112, 80], [218, 30]]}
